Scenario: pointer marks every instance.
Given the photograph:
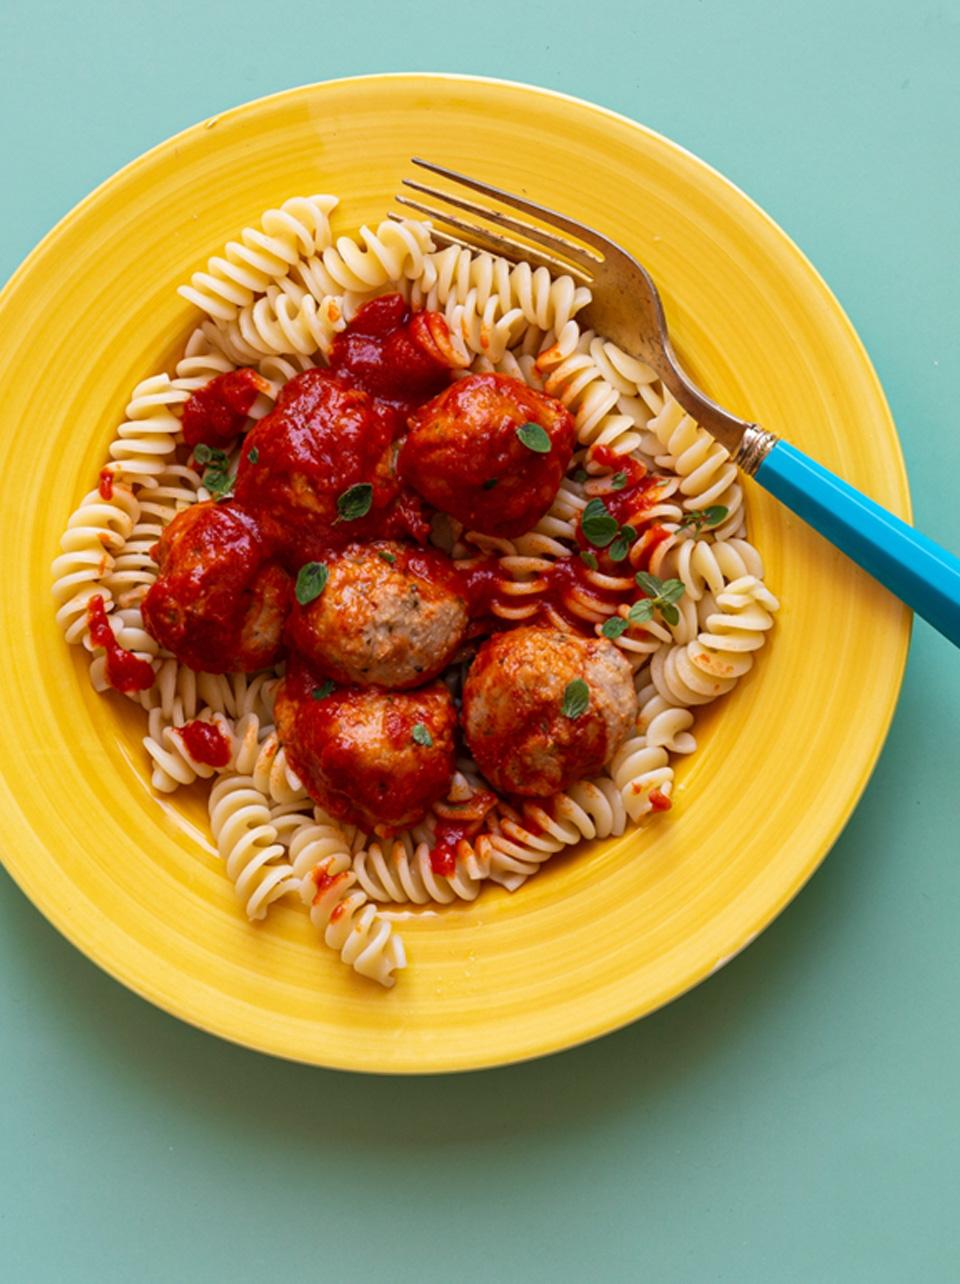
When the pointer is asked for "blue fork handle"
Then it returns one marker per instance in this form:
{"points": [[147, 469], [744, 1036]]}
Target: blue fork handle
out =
{"points": [[911, 566]]}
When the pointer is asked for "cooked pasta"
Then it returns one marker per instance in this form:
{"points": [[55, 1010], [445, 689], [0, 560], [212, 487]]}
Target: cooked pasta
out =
{"points": [[247, 842], [635, 547], [298, 229], [96, 532]]}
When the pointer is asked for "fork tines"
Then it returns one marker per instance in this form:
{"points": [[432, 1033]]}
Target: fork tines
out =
{"points": [[557, 253]]}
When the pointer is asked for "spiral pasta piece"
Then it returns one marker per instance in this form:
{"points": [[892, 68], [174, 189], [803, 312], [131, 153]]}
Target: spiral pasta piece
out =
{"points": [[573, 375], [273, 775], [173, 763], [247, 843], [134, 569], [276, 325], [391, 873], [708, 476], [736, 623], [96, 532], [128, 628], [500, 292], [298, 229], [342, 912], [588, 809], [395, 252], [146, 440], [643, 775]]}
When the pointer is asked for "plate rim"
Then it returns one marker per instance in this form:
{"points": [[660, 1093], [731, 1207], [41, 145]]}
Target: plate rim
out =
{"points": [[94, 949]]}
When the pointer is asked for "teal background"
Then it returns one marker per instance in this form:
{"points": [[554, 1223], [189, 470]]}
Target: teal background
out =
{"points": [[795, 1118]]}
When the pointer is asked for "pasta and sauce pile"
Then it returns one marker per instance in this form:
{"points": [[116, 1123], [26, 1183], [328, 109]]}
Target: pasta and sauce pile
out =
{"points": [[426, 579]]}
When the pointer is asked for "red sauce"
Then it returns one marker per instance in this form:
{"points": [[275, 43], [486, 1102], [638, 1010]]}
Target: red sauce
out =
{"points": [[216, 412], [105, 486], [659, 801], [570, 575], [451, 833], [206, 743], [398, 356], [217, 590], [125, 671], [478, 585], [355, 749]]}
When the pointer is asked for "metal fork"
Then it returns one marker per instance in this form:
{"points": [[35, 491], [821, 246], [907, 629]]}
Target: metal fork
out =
{"points": [[626, 308]]}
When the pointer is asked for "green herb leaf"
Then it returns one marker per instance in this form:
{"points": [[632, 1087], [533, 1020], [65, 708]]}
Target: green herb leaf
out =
{"points": [[253, 455], [534, 438], [355, 502], [618, 481], [311, 581], [670, 614], [384, 556], [598, 524], [672, 591], [580, 476], [615, 627], [619, 548], [649, 583], [490, 483], [706, 517], [589, 559], [325, 689], [421, 735], [576, 698], [218, 482], [640, 612]]}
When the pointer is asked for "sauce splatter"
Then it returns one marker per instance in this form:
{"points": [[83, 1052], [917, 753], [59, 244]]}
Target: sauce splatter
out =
{"points": [[215, 413], [124, 670], [206, 743], [105, 486]]}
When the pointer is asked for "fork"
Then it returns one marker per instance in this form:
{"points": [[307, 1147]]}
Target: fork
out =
{"points": [[626, 308]]}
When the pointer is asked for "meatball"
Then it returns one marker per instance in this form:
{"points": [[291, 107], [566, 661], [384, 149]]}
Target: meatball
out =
{"points": [[463, 454], [376, 759], [389, 616], [220, 602], [323, 438], [513, 709]]}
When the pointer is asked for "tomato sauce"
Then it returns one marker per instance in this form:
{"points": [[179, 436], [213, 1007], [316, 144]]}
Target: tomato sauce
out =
{"points": [[450, 833], [206, 743], [570, 577], [218, 411], [105, 485], [125, 671], [400, 357], [659, 801]]}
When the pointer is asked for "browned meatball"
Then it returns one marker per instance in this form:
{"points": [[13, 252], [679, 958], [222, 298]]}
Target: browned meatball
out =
{"points": [[323, 439], [464, 455], [376, 759], [219, 603], [389, 616], [513, 709]]}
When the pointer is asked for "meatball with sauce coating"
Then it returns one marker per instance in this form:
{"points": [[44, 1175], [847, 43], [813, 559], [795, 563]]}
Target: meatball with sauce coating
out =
{"points": [[376, 759], [323, 438], [219, 603], [463, 454], [513, 709], [390, 616]]}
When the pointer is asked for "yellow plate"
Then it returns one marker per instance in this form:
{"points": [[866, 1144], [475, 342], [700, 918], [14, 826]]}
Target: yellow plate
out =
{"points": [[597, 938]]}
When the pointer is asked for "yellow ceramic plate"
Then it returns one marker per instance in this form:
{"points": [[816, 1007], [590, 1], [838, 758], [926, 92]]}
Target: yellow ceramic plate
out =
{"points": [[598, 938]]}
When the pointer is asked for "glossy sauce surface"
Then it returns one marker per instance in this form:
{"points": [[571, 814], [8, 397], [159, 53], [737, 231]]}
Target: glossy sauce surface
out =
{"points": [[218, 411], [206, 743], [124, 671]]}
